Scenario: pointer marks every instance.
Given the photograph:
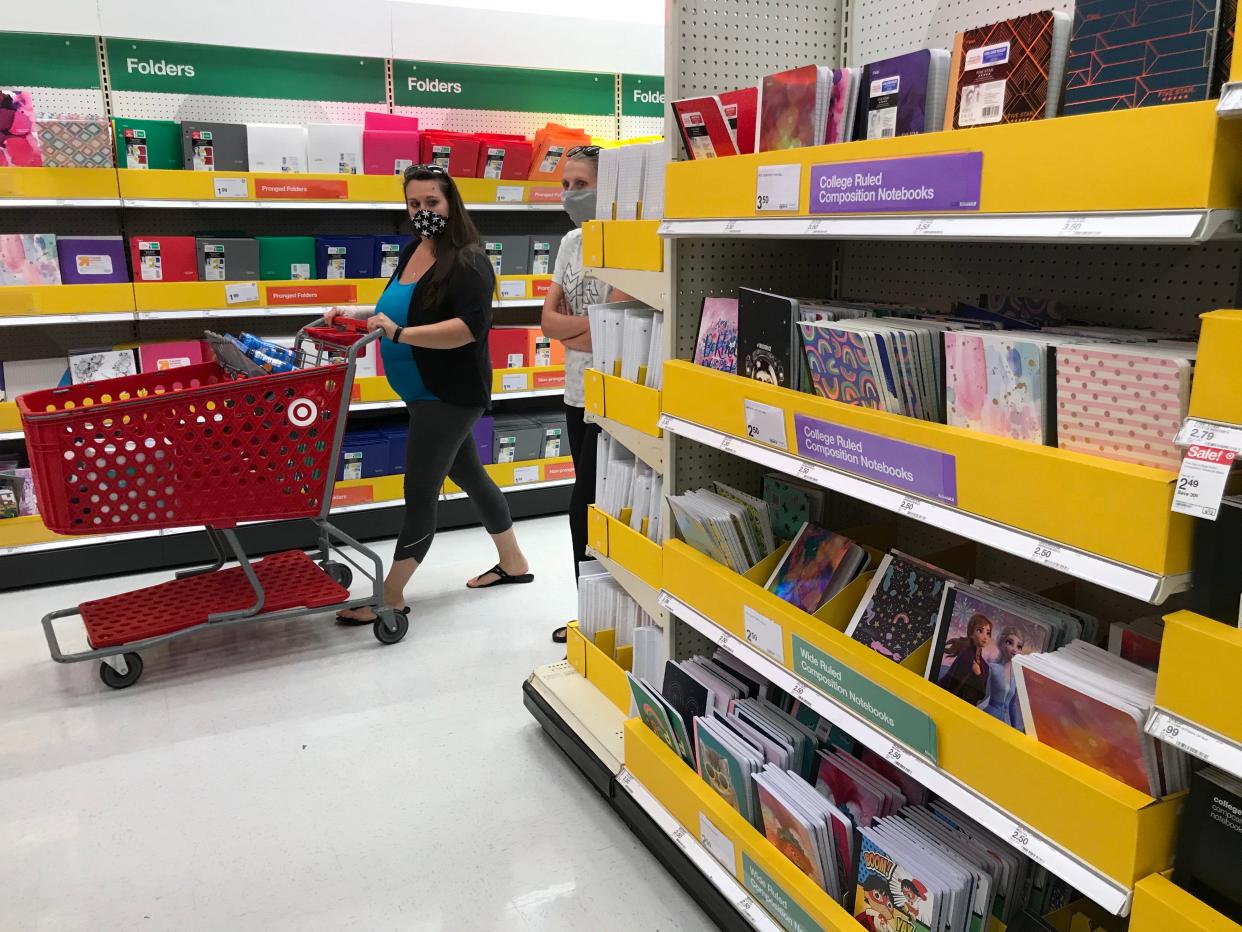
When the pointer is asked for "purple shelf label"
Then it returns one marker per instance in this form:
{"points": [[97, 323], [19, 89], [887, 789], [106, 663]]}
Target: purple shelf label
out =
{"points": [[920, 183], [928, 473]]}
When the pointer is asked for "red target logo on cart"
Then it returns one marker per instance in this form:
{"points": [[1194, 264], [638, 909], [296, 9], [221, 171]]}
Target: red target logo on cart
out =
{"points": [[303, 412]]}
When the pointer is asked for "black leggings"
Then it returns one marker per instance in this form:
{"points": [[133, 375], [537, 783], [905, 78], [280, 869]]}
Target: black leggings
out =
{"points": [[441, 445], [582, 447]]}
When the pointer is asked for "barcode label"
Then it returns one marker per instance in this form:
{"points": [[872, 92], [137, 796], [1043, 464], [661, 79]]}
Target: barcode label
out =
{"points": [[991, 112], [886, 133]]}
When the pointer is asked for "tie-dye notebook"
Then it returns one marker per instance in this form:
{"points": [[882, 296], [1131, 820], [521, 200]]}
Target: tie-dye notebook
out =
{"points": [[1124, 402], [841, 365], [997, 383]]}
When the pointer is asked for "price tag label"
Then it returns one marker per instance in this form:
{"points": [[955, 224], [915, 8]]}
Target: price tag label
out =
{"points": [[626, 779], [524, 474], [507, 194], [717, 844], [232, 187], [764, 633], [1028, 844], [913, 508], [1202, 744], [515, 382], [1230, 106], [665, 600], [733, 226], [728, 445], [1049, 555], [814, 227], [511, 290], [726, 641], [765, 424], [777, 187], [927, 227], [805, 472], [679, 836], [1080, 226], [798, 691], [1201, 481], [241, 293], [1206, 433], [899, 757]]}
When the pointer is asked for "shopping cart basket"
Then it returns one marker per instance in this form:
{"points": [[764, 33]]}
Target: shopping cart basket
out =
{"points": [[212, 445]]}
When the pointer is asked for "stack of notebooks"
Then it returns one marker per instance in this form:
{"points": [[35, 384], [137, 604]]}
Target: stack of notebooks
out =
{"points": [[731, 527], [627, 488], [817, 565], [792, 503], [627, 340], [603, 605], [718, 125], [1209, 847], [897, 615], [902, 96], [630, 183]]}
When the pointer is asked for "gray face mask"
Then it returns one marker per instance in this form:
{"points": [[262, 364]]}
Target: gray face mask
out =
{"points": [[580, 205]]}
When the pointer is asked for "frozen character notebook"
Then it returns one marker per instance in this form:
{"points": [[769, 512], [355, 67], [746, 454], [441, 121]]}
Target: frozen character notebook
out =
{"points": [[716, 347], [1128, 53], [898, 614], [817, 565], [1088, 729], [996, 384], [841, 366], [789, 108], [1122, 403]]}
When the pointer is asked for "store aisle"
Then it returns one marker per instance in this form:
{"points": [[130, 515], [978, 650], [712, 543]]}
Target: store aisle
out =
{"points": [[301, 776]]}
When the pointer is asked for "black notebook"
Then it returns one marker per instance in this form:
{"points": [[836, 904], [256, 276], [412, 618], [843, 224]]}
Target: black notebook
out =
{"points": [[1209, 849], [769, 348]]}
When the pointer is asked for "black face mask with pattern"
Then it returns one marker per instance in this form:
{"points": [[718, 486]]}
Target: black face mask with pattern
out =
{"points": [[429, 224]]}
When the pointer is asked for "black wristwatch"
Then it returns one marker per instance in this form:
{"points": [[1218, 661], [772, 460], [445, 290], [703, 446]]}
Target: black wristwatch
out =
{"points": [[396, 335]]}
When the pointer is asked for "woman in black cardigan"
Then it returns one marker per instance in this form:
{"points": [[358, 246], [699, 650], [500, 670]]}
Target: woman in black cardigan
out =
{"points": [[435, 314]]}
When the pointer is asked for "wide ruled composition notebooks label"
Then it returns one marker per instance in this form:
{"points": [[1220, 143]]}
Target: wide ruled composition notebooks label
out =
{"points": [[1126, 54], [1001, 71]]}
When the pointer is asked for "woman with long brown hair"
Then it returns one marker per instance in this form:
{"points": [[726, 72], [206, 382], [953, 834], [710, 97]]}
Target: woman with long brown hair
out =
{"points": [[435, 315]]}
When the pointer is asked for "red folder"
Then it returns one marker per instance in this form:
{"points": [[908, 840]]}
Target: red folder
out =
{"points": [[741, 109], [704, 129]]}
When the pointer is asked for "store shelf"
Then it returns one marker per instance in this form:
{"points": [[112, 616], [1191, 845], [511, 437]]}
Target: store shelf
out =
{"points": [[649, 287], [1160, 905], [528, 382], [623, 244], [1214, 394], [589, 713], [232, 296], [80, 302], [58, 187], [1196, 690], [772, 893], [1101, 836], [1044, 524], [1063, 179], [628, 411], [642, 557], [274, 191], [28, 534]]}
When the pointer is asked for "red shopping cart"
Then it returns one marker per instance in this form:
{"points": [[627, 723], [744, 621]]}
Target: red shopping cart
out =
{"points": [[214, 445]]}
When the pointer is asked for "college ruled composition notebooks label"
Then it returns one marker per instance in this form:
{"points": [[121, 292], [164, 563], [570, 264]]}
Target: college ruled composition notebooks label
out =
{"points": [[1129, 53], [1001, 72]]}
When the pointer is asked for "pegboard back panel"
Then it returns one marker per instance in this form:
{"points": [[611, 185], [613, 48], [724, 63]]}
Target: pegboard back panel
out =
{"points": [[719, 45], [54, 102], [63, 221], [689, 642], [146, 105], [718, 267], [38, 342], [697, 466], [883, 28], [1120, 285], [635, 127], [499, 121]]}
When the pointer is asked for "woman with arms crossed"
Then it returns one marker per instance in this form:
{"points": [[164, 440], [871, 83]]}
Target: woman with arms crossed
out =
{"points": [[435, 315], [564, 318]]}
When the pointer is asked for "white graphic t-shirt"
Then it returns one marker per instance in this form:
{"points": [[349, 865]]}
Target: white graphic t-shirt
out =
{"points": [[581, 291]]}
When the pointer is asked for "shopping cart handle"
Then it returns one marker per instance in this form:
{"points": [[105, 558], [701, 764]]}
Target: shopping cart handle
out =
{"points": [[349, 323]]}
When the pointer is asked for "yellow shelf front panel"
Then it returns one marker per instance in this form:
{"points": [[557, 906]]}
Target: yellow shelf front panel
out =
{"points": [[599, 667], [1160, 905], [1197, 680], [632, 244], [528, 379], [1121, 832], [1076, 164], [521, 287], [27, 530], [199, 296], [10, 419], [1214, 394], [60, 300], [1129, 506], [640, 555], [632, 404], [777, 885], [69, 184], [593, 242], [274, 188]]}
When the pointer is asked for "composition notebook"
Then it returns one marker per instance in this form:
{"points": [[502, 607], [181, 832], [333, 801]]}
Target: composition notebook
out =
{"points": [[1008, 72], [704, 128], [1125, 54], [793, 108], [902, 96]]}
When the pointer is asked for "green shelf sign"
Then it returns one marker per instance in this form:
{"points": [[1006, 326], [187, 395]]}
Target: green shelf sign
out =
{"points": [[642, 95], [877, 705], [222, 71], [31, 59], [524, 90], [772, 897]]}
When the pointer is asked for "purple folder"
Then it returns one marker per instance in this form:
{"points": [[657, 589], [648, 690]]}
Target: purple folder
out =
{"points": [[482, 431], [92, 260]]}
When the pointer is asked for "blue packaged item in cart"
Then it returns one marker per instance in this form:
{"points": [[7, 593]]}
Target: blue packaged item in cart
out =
{"points": [[275, 350]]}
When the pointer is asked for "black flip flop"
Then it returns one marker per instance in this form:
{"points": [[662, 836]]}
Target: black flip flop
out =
{"points": [[359, 622], [560, 635], [504, 579]]}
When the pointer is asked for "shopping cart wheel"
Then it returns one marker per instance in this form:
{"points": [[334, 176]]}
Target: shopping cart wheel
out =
{"points": [[340, 574], [108, 673], [385, 633]]}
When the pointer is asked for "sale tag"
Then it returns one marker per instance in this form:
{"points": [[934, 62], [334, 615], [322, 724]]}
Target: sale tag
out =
{"points": [[764, 633], [242, 293], [232, 187], [1206, 433], [717, 844], [778, 187], [765, 424], [1201, 481]]}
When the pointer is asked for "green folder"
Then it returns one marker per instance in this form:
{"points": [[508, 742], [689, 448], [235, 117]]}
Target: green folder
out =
{"points": [[162, 139], [283, 258]]}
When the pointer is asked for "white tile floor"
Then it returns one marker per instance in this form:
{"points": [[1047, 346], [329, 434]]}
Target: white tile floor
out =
{"points": [[301, 776]]}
